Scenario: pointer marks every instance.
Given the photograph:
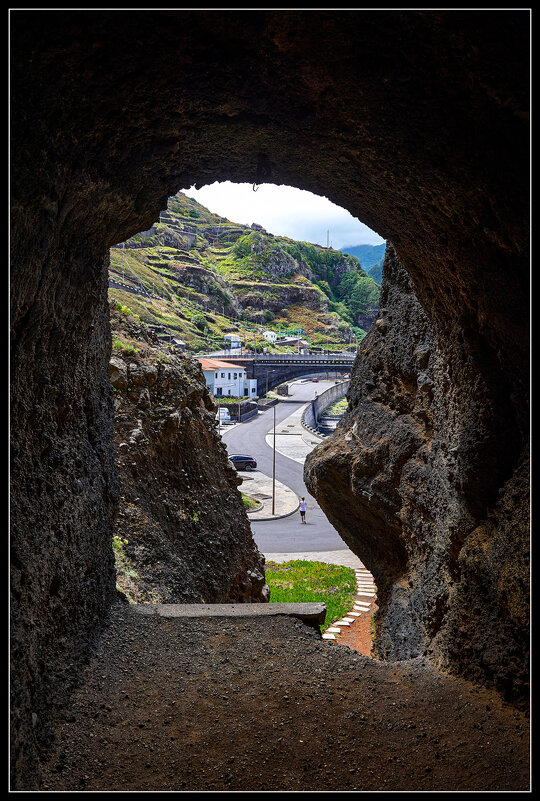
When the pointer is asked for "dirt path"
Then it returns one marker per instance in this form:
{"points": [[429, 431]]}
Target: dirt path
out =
{"points": [[266, 704]]}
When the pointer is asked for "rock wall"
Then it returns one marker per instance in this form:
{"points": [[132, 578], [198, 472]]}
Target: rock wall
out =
{"points": [[64, 489], [181, 533], [414, 482]]}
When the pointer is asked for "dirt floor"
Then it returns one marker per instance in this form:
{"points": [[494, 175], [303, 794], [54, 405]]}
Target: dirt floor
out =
{"points": [[267, 704]]}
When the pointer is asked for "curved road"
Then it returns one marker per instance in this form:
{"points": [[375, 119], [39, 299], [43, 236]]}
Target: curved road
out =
{"points": [[286, 534]]}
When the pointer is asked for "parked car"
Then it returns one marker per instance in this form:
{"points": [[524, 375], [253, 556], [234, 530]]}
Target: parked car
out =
{"points": [[243, 462], [315, 380]]}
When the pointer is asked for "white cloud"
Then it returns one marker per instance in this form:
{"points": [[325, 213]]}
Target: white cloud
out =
{"points": [[285, 211]]}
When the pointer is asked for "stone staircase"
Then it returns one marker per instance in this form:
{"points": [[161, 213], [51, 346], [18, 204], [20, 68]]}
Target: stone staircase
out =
{"points": [[366, 593]]}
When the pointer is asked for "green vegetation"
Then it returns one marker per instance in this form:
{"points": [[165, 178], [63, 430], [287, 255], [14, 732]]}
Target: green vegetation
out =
{"points": [[300, 582], [340, 276], [250, 503], [198, 275], [375, 272], [125, 348], [125, 572], [367, 255], [338, 407]]}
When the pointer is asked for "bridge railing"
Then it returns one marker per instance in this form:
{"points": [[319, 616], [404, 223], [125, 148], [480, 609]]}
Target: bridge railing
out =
{"points": [[345, 358]]}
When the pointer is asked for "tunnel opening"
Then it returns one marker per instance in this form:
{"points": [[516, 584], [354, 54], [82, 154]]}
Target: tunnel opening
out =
{"points": [[94, 157], [191, 242]]}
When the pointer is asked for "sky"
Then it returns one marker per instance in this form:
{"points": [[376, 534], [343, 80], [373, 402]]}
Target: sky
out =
{"points": [[286, 211]]}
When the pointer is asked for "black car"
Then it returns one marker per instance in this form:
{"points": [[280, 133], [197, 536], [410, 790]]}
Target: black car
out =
{"points": [[243, 462]]}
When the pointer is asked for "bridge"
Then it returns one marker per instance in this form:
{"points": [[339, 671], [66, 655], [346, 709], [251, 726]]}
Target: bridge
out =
{"points": [[276, 369]]}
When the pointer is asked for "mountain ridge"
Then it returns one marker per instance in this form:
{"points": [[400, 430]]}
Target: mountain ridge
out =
{"points": [[371, 258]]}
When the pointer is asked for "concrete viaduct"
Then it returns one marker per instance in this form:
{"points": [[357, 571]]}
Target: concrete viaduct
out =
{"points": [[276, 369]]}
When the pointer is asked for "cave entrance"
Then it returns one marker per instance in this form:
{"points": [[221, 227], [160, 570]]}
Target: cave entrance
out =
{"points": [[113, 111], [185, 277]]}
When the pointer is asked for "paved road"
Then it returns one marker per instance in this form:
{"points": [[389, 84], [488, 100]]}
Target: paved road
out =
{"points": [[286, 534]]}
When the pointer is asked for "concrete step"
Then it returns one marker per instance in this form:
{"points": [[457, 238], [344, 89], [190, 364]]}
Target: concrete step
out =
{"points": [[311, 613]]}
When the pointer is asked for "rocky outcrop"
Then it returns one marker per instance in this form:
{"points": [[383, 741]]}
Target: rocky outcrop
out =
{"points": [[276, 297], [274, 260], [365, 321], [411, 482], [181, 530]]}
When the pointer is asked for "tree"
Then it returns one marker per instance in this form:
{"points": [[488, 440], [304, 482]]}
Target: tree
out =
{"points": [[199, 321], [364, 296]]}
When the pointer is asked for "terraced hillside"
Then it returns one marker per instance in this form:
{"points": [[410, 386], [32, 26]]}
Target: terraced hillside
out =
{"points": [[195, 276]]}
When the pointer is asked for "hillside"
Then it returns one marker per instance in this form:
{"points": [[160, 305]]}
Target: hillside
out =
{"points": [[371, 258], [367, 255], [196, 276]]}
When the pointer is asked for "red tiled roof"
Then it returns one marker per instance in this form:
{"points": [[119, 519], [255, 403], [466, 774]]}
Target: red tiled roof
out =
{"points": [[215, 364]]}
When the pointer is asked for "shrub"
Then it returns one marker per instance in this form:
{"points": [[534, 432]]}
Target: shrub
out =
{"points": [[199, 321]]}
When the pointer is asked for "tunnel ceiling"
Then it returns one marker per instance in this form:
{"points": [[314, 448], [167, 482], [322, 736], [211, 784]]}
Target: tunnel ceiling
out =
{"points": [[416, 122]]}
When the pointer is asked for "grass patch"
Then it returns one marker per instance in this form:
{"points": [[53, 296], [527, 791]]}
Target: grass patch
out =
{"points": [[250, 503], [302, 582], [338, 407]]}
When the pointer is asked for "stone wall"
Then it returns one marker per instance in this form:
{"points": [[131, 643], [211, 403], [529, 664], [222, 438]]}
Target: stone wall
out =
{"points": [[313, 411]]}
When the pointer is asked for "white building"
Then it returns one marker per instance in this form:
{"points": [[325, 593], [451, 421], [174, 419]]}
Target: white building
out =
{"points": [[234, 339], [270, 336], [227, 380]]}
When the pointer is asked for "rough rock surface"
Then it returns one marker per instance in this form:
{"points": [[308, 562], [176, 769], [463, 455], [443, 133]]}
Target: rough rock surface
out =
{"points": [[415, 121], [247, 705], [409, 479], [181, 524]]}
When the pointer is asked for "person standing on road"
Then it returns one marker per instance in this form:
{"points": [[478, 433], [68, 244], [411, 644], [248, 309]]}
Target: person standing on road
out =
{"points": [[303, 509]]}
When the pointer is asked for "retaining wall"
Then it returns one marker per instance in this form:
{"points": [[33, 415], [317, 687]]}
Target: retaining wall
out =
{"points": [[313, 412]]}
